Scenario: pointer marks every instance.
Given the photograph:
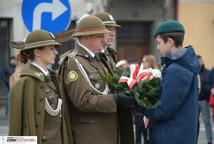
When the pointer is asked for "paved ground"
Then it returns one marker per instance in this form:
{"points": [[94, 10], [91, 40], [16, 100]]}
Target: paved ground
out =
{"points": [[3, 117], [3, 123], [202, 135], [4, 128]]}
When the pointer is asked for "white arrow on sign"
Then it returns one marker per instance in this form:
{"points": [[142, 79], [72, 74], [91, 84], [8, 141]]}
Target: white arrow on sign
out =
{"points": [[56, 8]]}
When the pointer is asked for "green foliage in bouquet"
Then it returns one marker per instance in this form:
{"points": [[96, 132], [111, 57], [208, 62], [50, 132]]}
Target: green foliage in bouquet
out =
{"points": [[147, 92], [112, 80]]}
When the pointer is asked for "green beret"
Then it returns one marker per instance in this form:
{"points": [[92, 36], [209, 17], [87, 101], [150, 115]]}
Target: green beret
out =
{"points": [[169, 27]]}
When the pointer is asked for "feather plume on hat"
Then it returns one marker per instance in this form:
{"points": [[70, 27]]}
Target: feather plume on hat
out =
{"points": [[17, 44]]}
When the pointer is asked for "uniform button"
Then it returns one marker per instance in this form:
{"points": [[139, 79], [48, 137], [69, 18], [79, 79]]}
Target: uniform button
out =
{"points": [[92, 121], [25, 126], [47, 90], [97, 86], [41, 87], [37, 126], [38, 113], [41, 99]]}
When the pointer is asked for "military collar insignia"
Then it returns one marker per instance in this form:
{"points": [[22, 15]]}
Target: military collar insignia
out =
{"points": [[87, 56], [40, 75], [92, 59], [72, 76], [103, 56], [110, 50]]}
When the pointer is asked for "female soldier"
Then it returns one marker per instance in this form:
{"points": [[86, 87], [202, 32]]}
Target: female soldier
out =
{"points": [[35, 100]]}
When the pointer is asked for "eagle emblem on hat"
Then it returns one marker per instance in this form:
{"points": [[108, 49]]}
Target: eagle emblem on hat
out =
{"points": [[111, 17]]}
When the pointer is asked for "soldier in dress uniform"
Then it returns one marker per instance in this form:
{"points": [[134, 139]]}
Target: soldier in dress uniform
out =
{"points": [[108, 56], [36, 107], [93, 110]]}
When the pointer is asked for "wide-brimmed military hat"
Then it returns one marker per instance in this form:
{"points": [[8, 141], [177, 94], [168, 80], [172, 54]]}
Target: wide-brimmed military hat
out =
{"points": [[168, 27], [107, 19], [37, 38], [90, 25]]}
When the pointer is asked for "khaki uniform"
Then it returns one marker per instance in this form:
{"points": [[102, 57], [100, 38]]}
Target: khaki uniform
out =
{"points": [[16, 75], [109, 59], [27, 116], [93, 115]]}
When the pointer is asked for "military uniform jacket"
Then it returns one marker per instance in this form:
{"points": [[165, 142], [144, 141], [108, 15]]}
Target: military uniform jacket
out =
{"points": [[27, 105], [93, 114], [109, 59]]}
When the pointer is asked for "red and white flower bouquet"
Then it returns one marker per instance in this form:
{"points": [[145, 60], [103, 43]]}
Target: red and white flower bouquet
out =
{"points": [[142, 83]]}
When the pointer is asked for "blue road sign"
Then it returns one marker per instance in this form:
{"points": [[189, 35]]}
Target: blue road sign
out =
{"points": [[51, 15]]}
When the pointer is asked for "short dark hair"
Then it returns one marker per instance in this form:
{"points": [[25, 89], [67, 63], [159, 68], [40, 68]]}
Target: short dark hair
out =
{"points": [[178, 37]]}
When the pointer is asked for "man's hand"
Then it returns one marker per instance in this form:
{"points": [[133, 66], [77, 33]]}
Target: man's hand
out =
{"points": [[123, 100]]}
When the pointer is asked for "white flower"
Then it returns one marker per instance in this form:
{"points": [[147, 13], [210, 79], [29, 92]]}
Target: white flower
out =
{"points": [[156, 73]]}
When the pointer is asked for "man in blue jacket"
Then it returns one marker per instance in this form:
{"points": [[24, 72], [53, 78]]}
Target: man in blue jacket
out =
{"points": [[211, 84], [174, 120]]}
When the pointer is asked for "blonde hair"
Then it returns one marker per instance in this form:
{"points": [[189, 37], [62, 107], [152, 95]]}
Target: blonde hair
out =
{"points": [[149, 61]]}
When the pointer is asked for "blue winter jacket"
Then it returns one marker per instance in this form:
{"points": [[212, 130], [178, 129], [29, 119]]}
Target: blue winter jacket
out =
{"points": [[211, 78], [174, 120]]}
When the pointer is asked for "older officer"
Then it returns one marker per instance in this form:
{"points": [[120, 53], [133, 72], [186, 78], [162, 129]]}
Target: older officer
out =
{"points": [[35, 100], [94, 109], [108, 56]]}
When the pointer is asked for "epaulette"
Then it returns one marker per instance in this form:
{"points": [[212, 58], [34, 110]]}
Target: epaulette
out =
{"points": [[63, 56], [73, 53]]}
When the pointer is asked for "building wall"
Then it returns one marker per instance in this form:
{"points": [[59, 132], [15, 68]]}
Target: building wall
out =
{"points": [[198, 19], [80, 7], [136, 10], [12, 9], [153, 11]]}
